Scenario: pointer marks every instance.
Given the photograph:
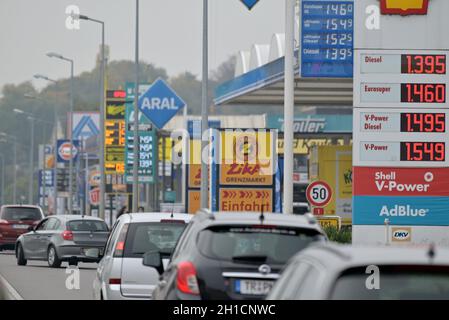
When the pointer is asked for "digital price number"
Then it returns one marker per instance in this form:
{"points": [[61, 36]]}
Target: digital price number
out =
{"points": [[423, 151], [423, 122], [423, 92], [423, 64]]}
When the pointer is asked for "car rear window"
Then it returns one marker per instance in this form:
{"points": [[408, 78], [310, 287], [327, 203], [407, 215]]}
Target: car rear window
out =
{"points": [[261, 244], [21, 213], [154, 236], [395, 282], [87, 225]]}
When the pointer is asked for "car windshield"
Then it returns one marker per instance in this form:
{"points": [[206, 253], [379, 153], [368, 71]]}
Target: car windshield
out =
{"points": [[87, 225], [269, 244], [21, 213], [144, 237], [395, 282]]}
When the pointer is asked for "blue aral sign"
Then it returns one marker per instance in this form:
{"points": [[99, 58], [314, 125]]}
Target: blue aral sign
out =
{"points": [[160, 103], [250, 3], [327, 38]]}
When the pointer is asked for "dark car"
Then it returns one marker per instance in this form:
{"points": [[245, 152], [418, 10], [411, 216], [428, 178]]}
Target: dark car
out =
{"points": [[232, 255], [63, 238], [15, 220]]}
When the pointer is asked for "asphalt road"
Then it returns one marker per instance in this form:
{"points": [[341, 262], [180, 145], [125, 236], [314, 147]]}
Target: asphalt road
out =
{"points": [[36, 281]]}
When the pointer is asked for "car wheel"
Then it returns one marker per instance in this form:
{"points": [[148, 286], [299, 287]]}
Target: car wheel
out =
{"points": [[52, 258], [21, 261]]}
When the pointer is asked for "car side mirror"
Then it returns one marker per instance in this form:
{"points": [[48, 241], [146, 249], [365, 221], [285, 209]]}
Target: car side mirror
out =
{"points": [[31, 228], [153, 259]]}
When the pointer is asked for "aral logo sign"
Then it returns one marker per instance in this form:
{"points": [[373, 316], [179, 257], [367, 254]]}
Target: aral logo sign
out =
{"points": [[401, 234], [160, 103], [404, 7]]}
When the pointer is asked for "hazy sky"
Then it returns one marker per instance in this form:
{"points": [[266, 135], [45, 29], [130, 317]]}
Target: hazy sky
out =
{"points": [[170, 33]]}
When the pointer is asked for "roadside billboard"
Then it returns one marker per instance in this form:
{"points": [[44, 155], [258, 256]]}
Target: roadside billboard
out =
{"points": [[245, 166]]}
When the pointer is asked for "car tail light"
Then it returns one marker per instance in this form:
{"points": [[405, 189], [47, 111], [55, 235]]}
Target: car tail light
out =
{"points": [[186, 280], [67, 235], [3, 222], [115, 281], [120, 246]]}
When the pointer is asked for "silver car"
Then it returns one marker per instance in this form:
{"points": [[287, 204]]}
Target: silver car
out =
{"points": [[62, 238], [121, 273], [337, 272]]}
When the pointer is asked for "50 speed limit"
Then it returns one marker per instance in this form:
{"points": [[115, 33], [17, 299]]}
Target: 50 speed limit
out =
{"points": [[319, 193]]}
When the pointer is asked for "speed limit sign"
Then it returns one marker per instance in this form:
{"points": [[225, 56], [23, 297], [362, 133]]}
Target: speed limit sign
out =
{"points": [[319, 193]]}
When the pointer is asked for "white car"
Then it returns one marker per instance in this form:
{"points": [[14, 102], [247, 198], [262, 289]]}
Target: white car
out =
{"points": [[121, 274]]}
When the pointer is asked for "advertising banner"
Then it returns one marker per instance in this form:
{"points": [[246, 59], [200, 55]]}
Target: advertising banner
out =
{"points": [[246, 163]]}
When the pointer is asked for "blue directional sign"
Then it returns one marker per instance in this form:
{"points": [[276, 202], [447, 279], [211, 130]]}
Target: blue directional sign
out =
{"points": [[327, 38], [160, 103], [250, 3]]}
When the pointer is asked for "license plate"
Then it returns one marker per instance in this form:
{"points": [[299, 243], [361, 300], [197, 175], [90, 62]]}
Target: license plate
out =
{"points": [[90, 251], [20, 226], [253, 287]]}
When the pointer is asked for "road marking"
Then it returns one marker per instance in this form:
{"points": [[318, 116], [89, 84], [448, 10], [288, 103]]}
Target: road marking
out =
{"points": [[11, 293]]}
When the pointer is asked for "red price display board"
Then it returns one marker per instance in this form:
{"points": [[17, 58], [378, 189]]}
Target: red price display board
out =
{"points": [[423, 64], [423, 122], [400, 138], [400, 78], [423, 151], [423, 92]]}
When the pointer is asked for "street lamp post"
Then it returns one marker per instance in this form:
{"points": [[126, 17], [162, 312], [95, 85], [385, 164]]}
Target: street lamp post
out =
{"points": [[3, 178], [14, 143], [32, 119], [61, 57], [204, 111], [102, 111], [135, 203], [31, 163], [55, 137]]}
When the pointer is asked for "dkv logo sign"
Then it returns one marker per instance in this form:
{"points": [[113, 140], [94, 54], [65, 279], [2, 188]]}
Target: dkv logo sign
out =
{"points": [[401, 234]]}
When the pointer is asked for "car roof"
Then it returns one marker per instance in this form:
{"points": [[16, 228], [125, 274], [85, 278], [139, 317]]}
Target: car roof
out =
{"points": [[155, 216], [69, 217], [21, 206], [341, 257], [287, 220]]}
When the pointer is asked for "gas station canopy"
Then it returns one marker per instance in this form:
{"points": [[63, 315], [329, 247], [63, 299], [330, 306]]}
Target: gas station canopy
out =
{"points": [[265, 85]]}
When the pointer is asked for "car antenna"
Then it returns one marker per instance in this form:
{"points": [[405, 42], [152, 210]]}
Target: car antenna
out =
{"points": [[261, 217], [431, 252]]}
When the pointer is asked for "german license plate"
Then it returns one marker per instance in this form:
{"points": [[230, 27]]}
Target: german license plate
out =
{"points": [[20, 226], [253, 287]]}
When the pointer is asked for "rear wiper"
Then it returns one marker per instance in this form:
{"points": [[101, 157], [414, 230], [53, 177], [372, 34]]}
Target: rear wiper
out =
{"points": [[250, 258]]}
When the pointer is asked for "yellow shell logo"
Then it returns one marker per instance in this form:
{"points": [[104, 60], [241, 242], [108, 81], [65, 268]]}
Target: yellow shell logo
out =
{"points": [[404, 7]]}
